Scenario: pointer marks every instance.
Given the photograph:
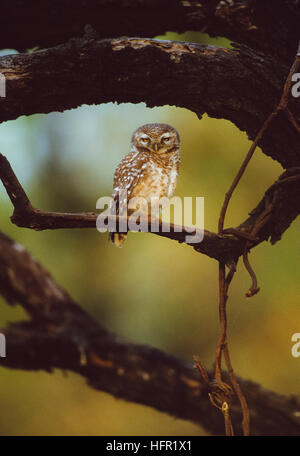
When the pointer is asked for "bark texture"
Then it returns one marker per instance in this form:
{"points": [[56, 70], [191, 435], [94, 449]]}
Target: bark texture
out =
{"points": [[240, 85], [269, 26]]}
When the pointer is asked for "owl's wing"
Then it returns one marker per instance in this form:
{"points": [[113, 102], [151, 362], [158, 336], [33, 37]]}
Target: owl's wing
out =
{"points": [[126, 177]]}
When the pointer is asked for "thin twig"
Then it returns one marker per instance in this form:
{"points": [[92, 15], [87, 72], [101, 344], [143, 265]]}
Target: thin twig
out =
{"points": [[239, 393], [198, 365], [223, 322], [292, 119], [228, 424], [262, 219], [219, 393]]}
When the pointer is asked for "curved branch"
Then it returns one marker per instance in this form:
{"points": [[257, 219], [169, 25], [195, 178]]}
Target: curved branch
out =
{"points": [[239, 85], [244, 21], [61, 335], [283, 197]]}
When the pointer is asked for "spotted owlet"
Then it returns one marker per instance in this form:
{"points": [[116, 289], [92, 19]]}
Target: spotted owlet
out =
{"points": [[150, 170]]}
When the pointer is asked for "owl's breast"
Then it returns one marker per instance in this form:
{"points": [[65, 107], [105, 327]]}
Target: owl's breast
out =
{"points": [[153, 183]]}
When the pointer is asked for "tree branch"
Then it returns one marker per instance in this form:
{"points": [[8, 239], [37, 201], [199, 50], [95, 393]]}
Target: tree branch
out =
{"points": [[226, 247], [245, 21], [200, 78], [61, 335]]}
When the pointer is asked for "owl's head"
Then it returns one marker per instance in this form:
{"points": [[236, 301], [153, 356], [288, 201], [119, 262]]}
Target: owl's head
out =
{"points": [[156, 138]]}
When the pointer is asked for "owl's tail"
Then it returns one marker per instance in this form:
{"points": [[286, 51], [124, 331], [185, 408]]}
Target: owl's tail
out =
{"points": [[118, 239]]}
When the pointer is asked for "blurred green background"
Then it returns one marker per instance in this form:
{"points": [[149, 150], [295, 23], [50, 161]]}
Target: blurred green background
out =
{"points": [[153, 290]]}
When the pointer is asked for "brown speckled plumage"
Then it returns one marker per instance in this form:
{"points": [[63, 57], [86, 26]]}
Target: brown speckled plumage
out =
{"points": [[150, 169]]}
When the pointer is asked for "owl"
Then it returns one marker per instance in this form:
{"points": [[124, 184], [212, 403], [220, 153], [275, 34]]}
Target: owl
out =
{"points": [[150, 170]]}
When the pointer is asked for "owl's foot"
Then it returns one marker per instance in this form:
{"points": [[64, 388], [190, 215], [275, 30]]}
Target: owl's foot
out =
{"points": [[118, 239]]}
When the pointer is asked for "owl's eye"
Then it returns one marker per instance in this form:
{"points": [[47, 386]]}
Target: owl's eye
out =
{"points": [[145, 140], [166, 140]]}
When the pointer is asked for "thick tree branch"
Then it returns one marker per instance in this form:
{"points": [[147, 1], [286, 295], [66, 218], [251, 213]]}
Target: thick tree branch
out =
{"points": [[270, 26], [61, 335], [239, 85], [284, 195]]}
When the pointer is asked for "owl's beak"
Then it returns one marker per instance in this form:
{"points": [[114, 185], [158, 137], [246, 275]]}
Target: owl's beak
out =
{"points": [[156, 147]]}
